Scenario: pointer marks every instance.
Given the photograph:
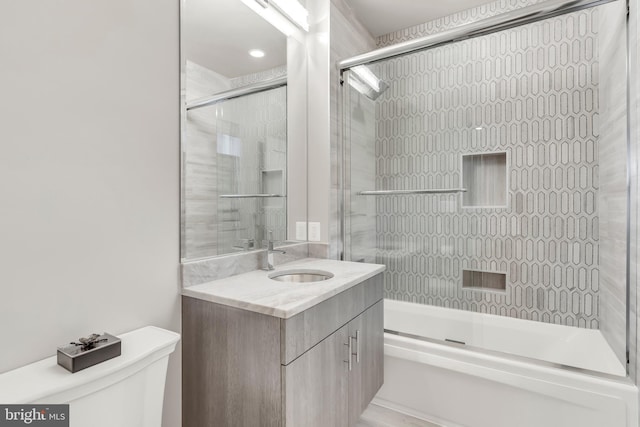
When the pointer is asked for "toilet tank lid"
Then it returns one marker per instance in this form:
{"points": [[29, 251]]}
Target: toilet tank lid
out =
{"points": [[43, 379]]}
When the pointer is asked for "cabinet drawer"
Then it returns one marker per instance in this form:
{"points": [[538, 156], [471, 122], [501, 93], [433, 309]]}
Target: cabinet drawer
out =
{"points": [[301, 332]]}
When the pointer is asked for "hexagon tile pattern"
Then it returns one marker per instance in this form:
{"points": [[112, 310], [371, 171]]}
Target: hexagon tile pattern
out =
{"points": [[531, 92]]}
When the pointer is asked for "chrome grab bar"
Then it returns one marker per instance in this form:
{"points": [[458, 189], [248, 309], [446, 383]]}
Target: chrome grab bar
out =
{"points": [[395, 192], [247, 196]]}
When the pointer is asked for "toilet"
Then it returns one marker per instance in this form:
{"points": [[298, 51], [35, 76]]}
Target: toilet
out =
{"points": [[126, 391]]}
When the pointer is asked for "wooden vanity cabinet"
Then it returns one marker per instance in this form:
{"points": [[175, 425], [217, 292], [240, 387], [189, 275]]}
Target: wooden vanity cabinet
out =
{"points": [[242, 368]]}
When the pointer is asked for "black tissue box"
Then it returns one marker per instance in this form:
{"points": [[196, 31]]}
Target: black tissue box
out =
{"points": [[75, 357]]}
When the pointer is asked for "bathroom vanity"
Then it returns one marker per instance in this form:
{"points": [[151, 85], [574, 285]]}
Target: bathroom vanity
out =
{"points": [[261, 352]]}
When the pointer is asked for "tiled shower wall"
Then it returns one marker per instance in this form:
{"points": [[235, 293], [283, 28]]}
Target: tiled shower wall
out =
{"points": [[531, 92]]}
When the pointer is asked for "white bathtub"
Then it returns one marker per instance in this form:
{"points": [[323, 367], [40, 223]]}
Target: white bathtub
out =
{"points": [[454, 385]]}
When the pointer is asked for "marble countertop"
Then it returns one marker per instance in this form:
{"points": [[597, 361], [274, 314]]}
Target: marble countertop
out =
{"points": [[255, 291]]}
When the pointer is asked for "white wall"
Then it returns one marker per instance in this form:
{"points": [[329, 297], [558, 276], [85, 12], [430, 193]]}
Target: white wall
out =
{"points": [[318, 142], [89, 203]]}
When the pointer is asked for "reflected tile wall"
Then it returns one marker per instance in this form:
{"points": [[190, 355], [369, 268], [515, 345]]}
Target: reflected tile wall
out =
{"points": [[199, 213], [255, 127], [254, 134], [533, 92]]}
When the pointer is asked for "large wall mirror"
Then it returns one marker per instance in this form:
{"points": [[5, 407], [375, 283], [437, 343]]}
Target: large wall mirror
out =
{"points": [[241, 170]]}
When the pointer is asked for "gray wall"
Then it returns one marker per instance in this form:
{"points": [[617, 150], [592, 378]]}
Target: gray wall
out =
{"points": [[89, 179]]}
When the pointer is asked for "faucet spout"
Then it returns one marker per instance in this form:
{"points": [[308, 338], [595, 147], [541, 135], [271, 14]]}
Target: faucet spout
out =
{"points": [[269, 263]]}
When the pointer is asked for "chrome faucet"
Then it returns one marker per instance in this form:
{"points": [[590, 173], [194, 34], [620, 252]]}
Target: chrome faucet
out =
{"points": [[268, 266]]}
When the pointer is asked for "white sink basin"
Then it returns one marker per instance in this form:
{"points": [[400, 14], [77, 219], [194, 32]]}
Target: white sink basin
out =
{"points": [[301, 276]]}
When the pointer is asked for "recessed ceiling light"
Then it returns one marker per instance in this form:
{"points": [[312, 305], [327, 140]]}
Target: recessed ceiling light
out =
{"points": [[256, 53]]}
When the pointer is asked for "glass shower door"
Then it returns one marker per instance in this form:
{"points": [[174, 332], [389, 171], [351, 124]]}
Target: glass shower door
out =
{"points": [[493, 171]]}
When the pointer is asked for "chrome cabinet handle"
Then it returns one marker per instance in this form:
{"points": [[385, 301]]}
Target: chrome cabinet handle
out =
{"points": [[350, 349], [357, 338]]}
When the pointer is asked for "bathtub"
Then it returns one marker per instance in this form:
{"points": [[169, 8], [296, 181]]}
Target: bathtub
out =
{"points": [[494, 379]]}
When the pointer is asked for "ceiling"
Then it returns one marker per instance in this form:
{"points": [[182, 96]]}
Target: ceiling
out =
{"points": [[386, 16], [218, 34]]}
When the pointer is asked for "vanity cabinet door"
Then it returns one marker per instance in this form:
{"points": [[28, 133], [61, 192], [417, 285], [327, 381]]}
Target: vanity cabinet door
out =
{"points": [[316, 385], [367, 374]]}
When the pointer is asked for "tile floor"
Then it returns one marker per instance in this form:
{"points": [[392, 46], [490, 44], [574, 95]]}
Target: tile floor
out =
{"points": [[377, 416]]}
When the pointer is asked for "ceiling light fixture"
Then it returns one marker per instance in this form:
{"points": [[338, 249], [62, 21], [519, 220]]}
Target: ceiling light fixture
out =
{"points": [[256, 53], [293, 10], [367, 76], [285, 15], [364, 81]]}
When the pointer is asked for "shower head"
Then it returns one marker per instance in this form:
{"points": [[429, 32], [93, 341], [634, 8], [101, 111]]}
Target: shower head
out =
{"points": [[364, 81]]}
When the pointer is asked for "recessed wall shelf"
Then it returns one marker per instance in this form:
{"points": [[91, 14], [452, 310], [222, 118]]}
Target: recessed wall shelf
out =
{"points": [[484, 280], [484, 175]]}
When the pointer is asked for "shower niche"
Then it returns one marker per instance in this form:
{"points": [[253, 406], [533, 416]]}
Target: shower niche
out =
{"points": [[484, 176], [484, 280]]}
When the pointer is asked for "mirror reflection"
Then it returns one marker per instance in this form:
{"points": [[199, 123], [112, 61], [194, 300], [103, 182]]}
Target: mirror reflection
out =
{"points": [[234, 138]]}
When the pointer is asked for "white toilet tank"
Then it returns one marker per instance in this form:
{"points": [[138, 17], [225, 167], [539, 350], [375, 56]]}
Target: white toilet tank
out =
{"points": [[126, 391]]}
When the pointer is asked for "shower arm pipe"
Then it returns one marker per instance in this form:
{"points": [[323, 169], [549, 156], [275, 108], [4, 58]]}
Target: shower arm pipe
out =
{"points": [[503, 21], [238, 92], [400, 192]]}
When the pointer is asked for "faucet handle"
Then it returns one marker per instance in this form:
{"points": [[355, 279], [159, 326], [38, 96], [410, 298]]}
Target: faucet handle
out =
{"points": [[269, 241], [245, 244]]}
